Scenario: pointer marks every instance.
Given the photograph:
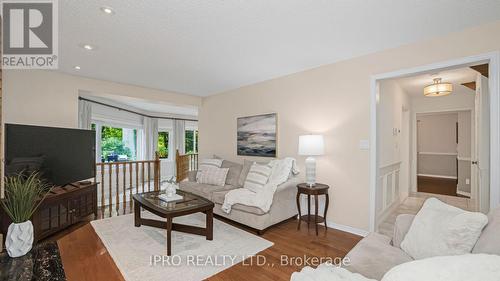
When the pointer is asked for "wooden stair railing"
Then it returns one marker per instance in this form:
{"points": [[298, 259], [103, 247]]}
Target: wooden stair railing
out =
{"points": [[117, 182], [184, 164]]}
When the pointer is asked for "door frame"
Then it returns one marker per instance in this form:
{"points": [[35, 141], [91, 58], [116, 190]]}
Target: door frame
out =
{"points": [[493, 59], [414, 138]]}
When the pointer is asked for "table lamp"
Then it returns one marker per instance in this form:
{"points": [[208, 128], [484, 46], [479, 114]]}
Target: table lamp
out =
{"points": [[311, 145]]}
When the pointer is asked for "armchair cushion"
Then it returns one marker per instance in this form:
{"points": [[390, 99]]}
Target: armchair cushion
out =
{"points": [[374, 256], [489, 241]]}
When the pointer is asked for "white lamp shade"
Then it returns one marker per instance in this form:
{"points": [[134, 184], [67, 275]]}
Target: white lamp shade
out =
{"points": [[311, 145]]}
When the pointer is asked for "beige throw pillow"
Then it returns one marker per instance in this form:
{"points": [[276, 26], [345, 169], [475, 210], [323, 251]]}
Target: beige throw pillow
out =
{"points": [[257, 177], [442, 230], [212, 176]]}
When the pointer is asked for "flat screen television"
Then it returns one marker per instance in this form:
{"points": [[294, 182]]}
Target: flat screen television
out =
{"points": [[62, 156]]}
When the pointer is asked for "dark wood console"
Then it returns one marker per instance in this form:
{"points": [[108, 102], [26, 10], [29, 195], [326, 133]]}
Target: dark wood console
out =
{"points": [[62, 207]]}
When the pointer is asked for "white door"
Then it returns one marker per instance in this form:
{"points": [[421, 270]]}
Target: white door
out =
{"points": [[481, 152]]}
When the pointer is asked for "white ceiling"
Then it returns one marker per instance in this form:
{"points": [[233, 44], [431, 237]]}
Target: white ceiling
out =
{"points": [[414, 86], [205, 47]]}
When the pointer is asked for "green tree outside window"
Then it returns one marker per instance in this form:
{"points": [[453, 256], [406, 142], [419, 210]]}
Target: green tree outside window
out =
{"points": [[163, 144]]}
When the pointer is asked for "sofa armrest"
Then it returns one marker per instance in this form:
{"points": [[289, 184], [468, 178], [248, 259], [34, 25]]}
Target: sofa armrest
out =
{"points": [[401, 228], [192, 176], [290, 183]]}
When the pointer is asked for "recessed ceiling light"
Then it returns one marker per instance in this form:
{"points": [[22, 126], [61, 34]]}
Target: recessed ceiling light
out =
{"points": [[77, 67], [88, 47], [107, 10]]}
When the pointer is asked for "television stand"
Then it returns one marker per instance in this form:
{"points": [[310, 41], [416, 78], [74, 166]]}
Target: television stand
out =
{"points": [[62, 207]]}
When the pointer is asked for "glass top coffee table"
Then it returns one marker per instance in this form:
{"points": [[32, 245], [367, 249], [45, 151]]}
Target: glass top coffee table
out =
{"points": [[189, 204]]}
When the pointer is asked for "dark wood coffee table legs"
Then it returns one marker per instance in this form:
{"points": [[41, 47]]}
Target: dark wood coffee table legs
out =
{"points": [[209, 231], [137, 214], [169, 236], [169, 225]]}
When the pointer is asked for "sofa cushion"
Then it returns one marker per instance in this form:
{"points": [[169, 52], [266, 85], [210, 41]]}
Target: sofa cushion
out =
{"points": [[192, 176], [489, 241], [218, 198], [233, 175], [401, 227], [373, 256], [203, 190], [440, 229]]}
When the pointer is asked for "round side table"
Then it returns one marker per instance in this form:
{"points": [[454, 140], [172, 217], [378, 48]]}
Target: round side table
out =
{"points": [[315, 190]]}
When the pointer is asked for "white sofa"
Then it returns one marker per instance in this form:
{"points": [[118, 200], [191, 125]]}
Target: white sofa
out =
{"points": [[283, 208], [376, 254]]}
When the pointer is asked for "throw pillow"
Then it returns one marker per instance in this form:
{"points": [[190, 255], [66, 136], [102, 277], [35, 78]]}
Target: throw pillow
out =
{"points": [[217, 163], [257, 177], [212, 176], [245, 169], [234, 172], [208, 163], [442, 230], [244, 172]]}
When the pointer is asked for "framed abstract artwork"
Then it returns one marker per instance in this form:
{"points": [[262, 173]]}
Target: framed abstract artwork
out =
{"points": [[257, 135]]}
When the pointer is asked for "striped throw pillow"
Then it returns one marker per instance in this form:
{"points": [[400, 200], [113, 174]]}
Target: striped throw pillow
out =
{"points": [[212, 176], [208, 163], [216, 163], [257, 177]]}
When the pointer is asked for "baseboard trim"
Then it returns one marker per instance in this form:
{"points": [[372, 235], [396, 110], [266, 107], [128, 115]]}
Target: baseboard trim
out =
{"points": [[346, 228], [437, 176], [463, 193]]}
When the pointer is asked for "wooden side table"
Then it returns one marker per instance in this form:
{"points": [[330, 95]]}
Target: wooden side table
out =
{"points": [[315, 190]]}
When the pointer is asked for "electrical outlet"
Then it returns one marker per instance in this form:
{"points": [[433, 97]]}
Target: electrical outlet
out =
{"points": [[467, 181]]}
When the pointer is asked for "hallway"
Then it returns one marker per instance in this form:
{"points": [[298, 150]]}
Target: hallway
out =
{"points": [[438, 186], [414, 202]]}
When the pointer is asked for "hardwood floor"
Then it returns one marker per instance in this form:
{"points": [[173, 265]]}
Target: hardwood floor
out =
{"points": [[438, 186], [85, 257]]}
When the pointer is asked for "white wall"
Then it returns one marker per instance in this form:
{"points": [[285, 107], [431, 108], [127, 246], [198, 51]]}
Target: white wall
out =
{"points": [[333, 100], [436, 144], [393, 101], [49, 98], [393, 125]]}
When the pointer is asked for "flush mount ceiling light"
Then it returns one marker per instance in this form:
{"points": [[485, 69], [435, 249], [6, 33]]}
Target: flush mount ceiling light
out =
{"points": [[107, 10], [438, 89], [77, 67]]}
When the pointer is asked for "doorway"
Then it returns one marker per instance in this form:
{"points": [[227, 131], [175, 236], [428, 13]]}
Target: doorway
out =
{"points": [[484, 155], [444, 145]]}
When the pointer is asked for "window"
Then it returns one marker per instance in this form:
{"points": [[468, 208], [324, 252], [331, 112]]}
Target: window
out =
{"points": [[191, 141], [116, 143], [163, 138]]}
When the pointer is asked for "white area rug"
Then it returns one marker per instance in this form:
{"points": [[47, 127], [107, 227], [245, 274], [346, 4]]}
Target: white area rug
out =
{"points": [[140, 252]]}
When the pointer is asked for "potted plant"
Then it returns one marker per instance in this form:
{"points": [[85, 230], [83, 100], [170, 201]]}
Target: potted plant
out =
{"points": [[23, 195]]}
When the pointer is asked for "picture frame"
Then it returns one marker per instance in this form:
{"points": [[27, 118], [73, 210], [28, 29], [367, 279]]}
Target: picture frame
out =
{"points": [[257, 135]]}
